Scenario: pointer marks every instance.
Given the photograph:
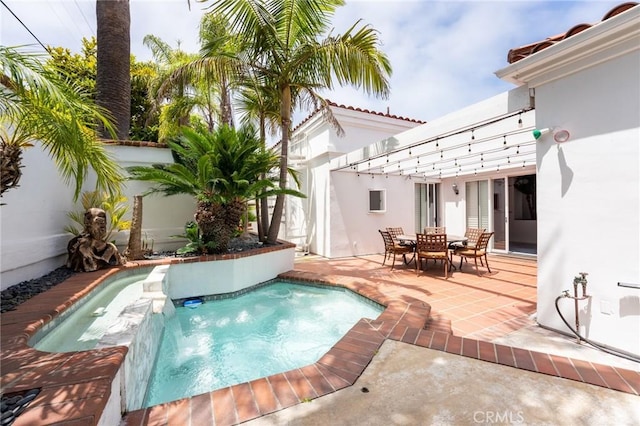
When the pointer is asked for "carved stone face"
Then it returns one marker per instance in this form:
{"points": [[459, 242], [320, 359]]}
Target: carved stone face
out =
{"points": [[95, 223]]}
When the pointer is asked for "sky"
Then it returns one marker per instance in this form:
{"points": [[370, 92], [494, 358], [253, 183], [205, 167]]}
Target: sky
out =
{"points": [[443, 53]]}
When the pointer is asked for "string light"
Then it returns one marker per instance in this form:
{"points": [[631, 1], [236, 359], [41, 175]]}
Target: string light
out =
{"points": [[473, 137], [387, 158], [504, 139], [437, 143], [520, 120], [469, 147], [418, 159], [518, 150]]}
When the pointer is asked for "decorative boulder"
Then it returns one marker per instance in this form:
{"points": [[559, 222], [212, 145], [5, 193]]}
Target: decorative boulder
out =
{"points": [[89, 251]]}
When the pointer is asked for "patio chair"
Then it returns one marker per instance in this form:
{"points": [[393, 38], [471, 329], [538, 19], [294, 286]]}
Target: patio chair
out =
{"points": [[477, 251], [472, 235], [394, 235], [435, 230], [432, 246], [392, 248]]}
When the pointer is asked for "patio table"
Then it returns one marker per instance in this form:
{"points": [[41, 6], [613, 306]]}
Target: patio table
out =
{"points": [[411, 239]]}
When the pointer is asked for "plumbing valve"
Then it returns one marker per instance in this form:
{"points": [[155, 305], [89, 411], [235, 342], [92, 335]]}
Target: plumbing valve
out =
{"points": [[581, 279]]}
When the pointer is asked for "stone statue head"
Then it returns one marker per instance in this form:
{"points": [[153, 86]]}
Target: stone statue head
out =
{"points": [[95, 223]]}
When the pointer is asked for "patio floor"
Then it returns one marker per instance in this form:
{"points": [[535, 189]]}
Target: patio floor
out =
{"points": [[463, 317]]}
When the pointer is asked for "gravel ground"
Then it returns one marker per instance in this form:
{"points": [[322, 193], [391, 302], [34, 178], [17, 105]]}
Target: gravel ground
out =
{"points": [[20, 293]]}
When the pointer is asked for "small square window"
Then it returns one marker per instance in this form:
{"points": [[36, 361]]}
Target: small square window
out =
{"points": [[377, 200]]}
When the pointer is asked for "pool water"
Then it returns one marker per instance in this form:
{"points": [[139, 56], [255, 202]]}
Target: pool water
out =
{"points": [[83, 329], [272, 329]]}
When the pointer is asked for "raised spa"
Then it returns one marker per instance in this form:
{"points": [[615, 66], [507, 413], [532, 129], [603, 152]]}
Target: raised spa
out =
{"points": [[241, 334], [272, 329]]}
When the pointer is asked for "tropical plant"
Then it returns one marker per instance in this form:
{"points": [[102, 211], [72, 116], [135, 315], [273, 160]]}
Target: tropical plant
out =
{"points": [[283, 41], [115, 206], [38, 104], [113, 78], [172, 96], [196, 245], [222, 170]]}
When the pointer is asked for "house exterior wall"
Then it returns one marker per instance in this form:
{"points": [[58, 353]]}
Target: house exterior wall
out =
{"points": [[317, 223], [589, 200], [354, 230], [349, 208], [32, 240]]}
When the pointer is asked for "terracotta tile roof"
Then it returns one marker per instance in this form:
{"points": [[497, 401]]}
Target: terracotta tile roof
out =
{"points": [[382, 114], [519, 53]]}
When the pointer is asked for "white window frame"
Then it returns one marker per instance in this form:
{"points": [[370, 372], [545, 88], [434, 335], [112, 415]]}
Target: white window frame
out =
{"points": [[383, 201]]}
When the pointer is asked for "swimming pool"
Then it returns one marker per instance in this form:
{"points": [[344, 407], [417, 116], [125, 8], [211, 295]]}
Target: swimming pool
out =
{"points": [[275, 328], [82, 328]]}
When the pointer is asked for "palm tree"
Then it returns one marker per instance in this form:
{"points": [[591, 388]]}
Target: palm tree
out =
{"points": [[173, 95], [37, 104], [259, 103], [113, 78], [285, 38], [222, 170]]}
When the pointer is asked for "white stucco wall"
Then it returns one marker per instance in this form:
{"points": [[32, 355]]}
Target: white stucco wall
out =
{"points": [[32, 220], [317, 221], [354, 230], [197, 279], [589, 199], [32, 240]]}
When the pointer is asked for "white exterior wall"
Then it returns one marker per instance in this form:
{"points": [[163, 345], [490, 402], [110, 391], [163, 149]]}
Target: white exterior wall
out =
{"points": [[351, 221], [354, 230], [32, 240], [589, 200], [318, 222], [32, 220]]}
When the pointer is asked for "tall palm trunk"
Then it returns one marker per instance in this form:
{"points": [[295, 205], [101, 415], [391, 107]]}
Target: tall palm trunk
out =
{"points": [[285, 114], [113, 78], [262, 205]]}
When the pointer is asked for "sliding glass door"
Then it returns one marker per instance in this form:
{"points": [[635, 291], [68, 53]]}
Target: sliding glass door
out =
{"points": [[500, 214], [477, 197], [427, 205]]}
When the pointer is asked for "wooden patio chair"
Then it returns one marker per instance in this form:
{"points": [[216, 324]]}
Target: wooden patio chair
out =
{"points": [[394, 235], [392, 248], [472, 235], [435, 230], [477, 251], [432, 246]]}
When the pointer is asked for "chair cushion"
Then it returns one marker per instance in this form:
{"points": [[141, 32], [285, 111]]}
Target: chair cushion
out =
{"points": [[433, 254], [469, 252]]}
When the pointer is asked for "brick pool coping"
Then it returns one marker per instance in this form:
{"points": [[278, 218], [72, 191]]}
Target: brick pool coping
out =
{"points": [[76, 386]]}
